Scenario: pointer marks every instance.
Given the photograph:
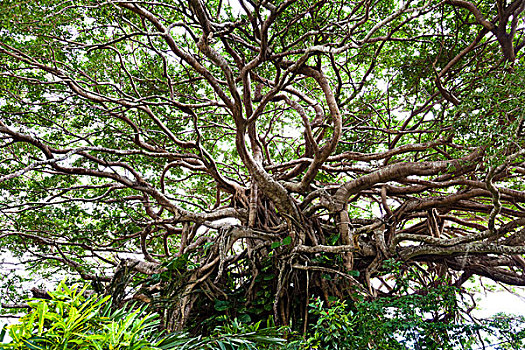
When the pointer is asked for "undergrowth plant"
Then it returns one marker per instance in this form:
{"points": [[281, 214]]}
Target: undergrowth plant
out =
{"points": [[71, 320]]}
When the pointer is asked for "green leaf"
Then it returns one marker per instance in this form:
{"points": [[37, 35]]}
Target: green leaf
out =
{"points": [[245, 318], [269, 277], [41, 311], [33, 343], [222, 305], [2, 333], [276, 245]]}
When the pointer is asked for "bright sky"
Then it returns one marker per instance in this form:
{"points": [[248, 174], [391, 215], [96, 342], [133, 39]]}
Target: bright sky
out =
{"points": [[500, 301]]}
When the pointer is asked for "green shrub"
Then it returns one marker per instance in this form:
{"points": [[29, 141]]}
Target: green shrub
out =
{"points": [[234, 335], [70, 320], [405, 323]]}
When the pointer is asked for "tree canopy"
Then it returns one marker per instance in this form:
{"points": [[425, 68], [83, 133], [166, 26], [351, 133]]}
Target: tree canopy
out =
{"points": [[246, 157]]}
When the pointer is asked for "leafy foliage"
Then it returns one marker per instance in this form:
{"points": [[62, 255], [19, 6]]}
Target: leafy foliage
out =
{"points": [[236, 160], [402, 324], [70, 320], [233, 335]]}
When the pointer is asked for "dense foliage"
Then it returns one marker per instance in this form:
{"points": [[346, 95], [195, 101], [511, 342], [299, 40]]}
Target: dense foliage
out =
{"points": [[67, 319], [221, 160], [70, 319]]}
